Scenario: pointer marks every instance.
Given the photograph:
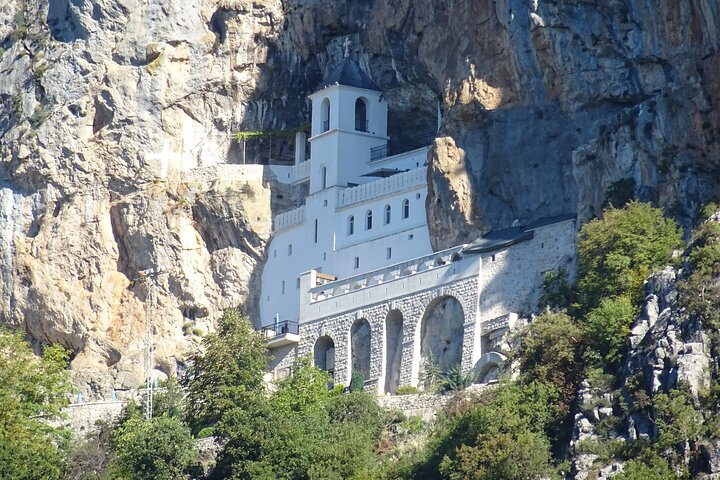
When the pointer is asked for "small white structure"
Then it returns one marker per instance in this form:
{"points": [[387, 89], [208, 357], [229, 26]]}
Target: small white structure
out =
{"points": [[351, 278]]}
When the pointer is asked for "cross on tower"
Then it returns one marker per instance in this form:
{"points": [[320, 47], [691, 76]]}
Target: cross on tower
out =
{"points": [[165, 156]]}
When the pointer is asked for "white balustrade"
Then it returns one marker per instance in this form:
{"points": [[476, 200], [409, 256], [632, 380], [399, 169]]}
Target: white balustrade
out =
{"points": [[289, 219], [386, 186]]}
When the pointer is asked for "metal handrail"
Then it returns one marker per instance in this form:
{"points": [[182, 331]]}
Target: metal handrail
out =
{"points": [[280, 328], [377, 153]]}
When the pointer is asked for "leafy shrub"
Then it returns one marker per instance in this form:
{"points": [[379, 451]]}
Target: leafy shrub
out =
{"points": [[406, 390], [557, 292], [455, 380], [160, 448], [608, 327], [618, 251], [357, 381]]}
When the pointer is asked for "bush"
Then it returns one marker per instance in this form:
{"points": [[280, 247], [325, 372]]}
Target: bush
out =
{"points": [[357, 381], [619, 250], [608, 327], [406, 390], [455, 380], [161, 448]]}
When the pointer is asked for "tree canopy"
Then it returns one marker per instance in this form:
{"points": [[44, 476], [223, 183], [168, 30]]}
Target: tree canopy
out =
{"points": [[33, 392]]}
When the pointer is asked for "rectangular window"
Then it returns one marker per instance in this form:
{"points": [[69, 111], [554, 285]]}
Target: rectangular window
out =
{"points": [[297, 282], [275, 253], [316, 230], [388, 253], [357, 262], [283, 287], [289, 249]]}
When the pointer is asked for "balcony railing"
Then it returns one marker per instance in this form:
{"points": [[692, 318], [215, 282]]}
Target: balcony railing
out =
{"points": [[361, 125], [377, 153], [281, 334], [326, 126], [280, 328]]}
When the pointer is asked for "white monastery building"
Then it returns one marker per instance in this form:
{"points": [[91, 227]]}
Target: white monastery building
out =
{"points": [[351, 279]]}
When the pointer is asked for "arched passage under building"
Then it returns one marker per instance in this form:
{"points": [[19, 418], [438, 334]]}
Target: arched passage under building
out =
{"points": [[489, 367], [393, 350], [441, 338], [360, 348], [324, 354]]}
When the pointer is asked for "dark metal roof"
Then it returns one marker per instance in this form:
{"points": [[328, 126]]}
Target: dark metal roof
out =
{"points": [[498, 239], [348, 73]]}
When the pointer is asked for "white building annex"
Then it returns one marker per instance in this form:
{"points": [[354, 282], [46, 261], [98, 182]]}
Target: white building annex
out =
{"points": [[351, 278]]}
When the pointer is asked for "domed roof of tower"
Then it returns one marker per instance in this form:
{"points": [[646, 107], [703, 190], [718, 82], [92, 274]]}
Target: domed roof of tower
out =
{"points": [[349, 74]]}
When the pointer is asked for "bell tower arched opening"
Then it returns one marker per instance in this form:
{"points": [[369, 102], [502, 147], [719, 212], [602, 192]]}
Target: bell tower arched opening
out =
{"points": [[325, 115], [361, 120]]}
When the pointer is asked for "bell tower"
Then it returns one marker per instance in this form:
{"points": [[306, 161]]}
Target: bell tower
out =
{"points": [[349, 118]]}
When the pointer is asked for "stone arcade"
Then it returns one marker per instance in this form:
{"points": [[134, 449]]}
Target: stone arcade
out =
{"points": [[351, 279]]}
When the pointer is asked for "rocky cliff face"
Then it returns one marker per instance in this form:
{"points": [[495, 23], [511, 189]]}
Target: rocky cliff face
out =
{"points": [[547, 106]]}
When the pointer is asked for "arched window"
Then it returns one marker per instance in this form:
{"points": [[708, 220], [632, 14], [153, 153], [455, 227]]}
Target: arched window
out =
{"points": [[406, 208], [387, 214], [351, 225], [361, 122], [323, 177], [368, 220], [325, 115]]}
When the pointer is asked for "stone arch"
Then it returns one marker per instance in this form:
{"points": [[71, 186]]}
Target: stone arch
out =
{"points": [[360, 335], [325, 115], [361, 120], [489, 367], [442, 332], [324, 354], [393, 349]]}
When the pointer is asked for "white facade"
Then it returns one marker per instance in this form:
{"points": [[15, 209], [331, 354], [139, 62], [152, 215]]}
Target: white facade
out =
{"points": [[350, 223], [353, 267]]}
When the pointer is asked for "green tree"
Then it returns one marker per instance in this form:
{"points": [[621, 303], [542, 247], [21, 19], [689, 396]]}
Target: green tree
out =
{"points": [[157, 449], [551, 351], [504, 427], [228, 374], [637, 470], [700, 291], [523, 455], [303, 431], [618, 251], [608, 326], [33, 392]]}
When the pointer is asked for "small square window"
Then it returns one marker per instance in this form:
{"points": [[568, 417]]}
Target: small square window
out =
{"points": [[357, 262], [325, 203], [411, 236]]}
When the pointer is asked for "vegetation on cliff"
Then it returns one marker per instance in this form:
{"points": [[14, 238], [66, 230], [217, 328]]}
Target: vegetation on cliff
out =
{"points": [[32, 393], [521, 429]]}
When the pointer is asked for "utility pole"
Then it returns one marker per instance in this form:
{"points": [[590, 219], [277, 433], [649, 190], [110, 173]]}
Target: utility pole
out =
{"points": [[148, 277]]}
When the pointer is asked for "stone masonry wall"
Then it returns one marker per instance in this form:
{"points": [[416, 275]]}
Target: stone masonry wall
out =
{"points": [[509, 280]]}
